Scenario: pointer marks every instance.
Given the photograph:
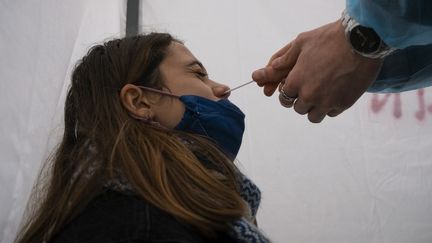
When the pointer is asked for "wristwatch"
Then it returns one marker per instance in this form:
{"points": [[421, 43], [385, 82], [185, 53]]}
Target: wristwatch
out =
{"points": [[364, 40]]}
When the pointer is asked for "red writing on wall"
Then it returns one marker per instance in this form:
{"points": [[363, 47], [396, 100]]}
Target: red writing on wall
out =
{"points": [[378, 102]]}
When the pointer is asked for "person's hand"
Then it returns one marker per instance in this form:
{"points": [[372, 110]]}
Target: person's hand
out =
{"points": [[320, 72]]}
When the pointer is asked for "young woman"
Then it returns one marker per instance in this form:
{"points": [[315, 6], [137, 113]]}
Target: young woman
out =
{"points": [[147, 153]]}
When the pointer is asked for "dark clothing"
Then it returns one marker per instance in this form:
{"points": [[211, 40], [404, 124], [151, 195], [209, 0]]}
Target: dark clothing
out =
{"points": [[118, 218]]}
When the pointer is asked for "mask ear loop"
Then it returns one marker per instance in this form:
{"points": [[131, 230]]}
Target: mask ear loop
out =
{"points": [[158, 91]]}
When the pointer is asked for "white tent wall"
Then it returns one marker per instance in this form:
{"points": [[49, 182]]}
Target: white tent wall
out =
{"points": [[40, 42], [364, 176]]}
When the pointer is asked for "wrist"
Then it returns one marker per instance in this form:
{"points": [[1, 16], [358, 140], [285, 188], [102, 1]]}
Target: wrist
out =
{"points": [[364, 40]]}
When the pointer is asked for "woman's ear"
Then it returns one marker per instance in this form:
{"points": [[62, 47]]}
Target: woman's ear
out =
{"points": [[135, 102]]}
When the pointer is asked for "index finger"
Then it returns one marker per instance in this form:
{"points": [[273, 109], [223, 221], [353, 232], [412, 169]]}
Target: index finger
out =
{"points": [[280, 53]]}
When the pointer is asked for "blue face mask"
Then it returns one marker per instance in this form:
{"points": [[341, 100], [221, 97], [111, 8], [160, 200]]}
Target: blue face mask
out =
{"points": [[221, 121]]}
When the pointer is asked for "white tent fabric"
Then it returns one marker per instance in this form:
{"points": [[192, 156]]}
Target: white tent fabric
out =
{"points": [[40, 43], [364, 176]]}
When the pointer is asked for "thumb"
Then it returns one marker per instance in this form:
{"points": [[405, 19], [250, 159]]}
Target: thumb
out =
{"points": [[288, 59], [269, 75]]}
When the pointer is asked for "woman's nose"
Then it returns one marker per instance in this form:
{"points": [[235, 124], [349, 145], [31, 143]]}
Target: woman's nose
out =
{"points": [[220, 91]]}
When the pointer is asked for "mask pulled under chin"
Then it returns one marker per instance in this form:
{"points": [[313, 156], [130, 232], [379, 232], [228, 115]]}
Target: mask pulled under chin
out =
{"points": [[221, 121]]}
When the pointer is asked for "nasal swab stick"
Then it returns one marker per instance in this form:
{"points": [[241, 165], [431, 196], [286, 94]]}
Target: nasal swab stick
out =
{"points": [[238, 87]]}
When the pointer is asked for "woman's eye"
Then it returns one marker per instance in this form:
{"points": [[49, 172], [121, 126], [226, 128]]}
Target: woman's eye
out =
{"points": [[201, 75]]}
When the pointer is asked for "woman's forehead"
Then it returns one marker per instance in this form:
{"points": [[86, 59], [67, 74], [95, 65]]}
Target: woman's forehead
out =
{"points": [[179, 54]]}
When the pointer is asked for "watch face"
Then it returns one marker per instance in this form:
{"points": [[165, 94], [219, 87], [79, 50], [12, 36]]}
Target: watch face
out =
{"points": [[364, 40]]}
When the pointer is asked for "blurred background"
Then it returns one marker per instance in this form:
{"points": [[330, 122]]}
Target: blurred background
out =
{"points": [[364, 176]]}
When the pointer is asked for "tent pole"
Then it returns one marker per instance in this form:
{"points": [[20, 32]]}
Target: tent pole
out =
{"points": [[132, 17]]}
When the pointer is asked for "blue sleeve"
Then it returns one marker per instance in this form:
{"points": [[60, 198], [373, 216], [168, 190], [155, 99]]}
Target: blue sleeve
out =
{"points": [[405, 25], [404, 70], [400, 23]]}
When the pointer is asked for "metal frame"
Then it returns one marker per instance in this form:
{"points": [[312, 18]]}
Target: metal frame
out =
{"points": [[132, 17]]}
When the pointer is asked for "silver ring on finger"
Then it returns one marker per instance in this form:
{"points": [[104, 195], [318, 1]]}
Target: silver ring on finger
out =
{"points": [[285, 100]]}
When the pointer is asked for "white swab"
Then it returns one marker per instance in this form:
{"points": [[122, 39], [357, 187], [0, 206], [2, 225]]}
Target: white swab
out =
{"points": [[238, 87]]}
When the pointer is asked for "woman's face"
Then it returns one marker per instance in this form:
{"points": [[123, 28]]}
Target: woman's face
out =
{"points": [[183, 74]]}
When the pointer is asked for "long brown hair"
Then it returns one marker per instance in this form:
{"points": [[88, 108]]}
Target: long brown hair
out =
{"points": [[102, 143]]}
